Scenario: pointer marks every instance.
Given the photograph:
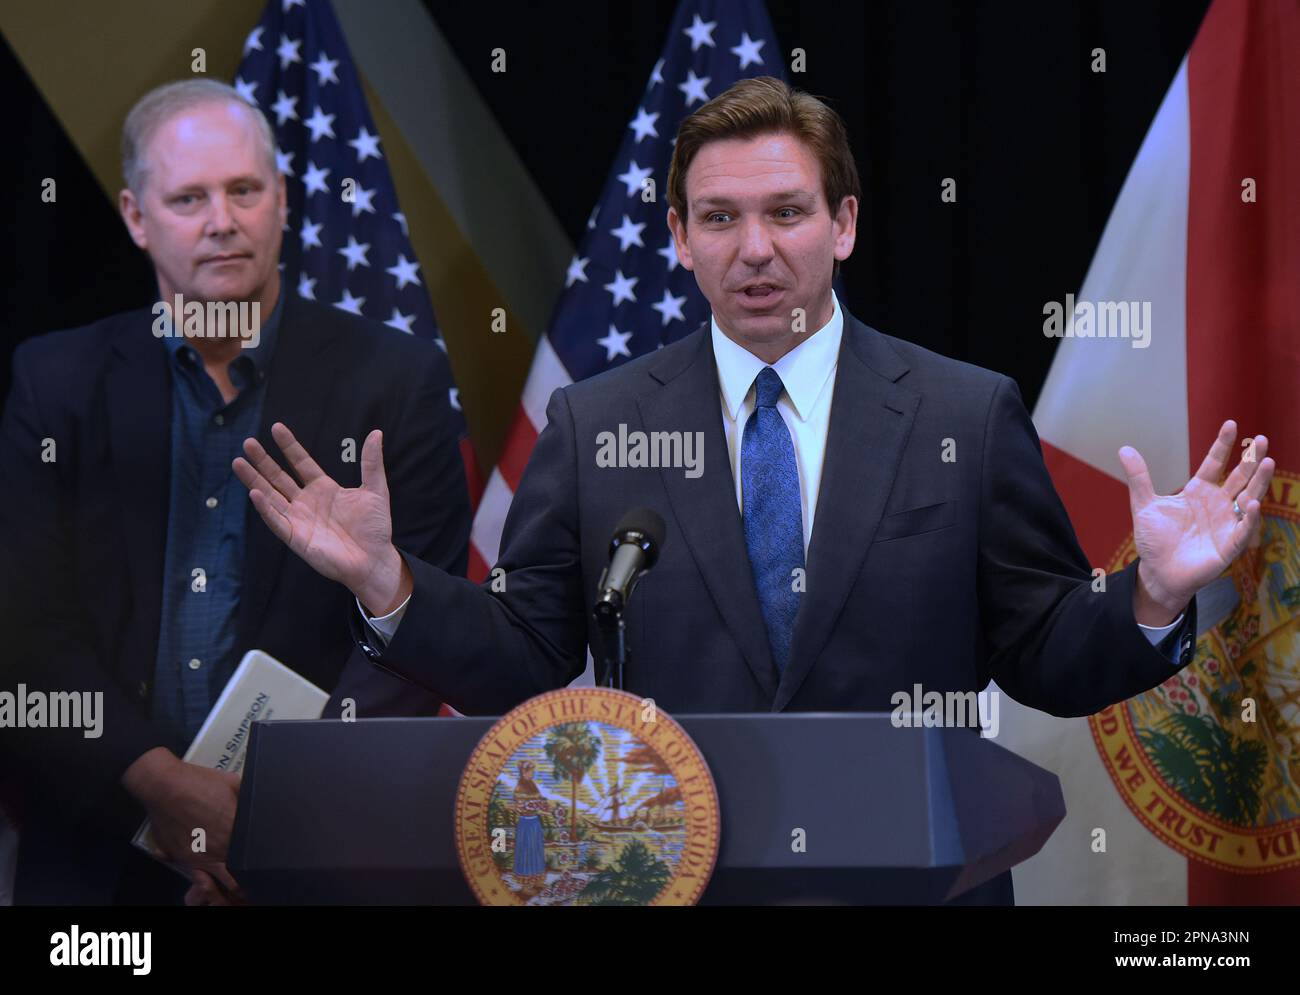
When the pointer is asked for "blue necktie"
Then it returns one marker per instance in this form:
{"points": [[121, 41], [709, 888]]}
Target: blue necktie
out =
{"points": [[772, 515]]}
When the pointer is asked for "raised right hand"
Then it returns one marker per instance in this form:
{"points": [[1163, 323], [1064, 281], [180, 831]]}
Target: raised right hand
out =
{"points": [[343, 533]]}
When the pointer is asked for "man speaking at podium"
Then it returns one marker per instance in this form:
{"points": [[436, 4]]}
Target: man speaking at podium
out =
{"points": [[862, 515]]}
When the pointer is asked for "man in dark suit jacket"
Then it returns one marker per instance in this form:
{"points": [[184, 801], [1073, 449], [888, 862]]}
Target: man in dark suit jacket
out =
{"points": [[868, 515], [116, 458]]}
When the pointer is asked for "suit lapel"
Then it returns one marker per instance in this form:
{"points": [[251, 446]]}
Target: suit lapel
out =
{"points": [[137, 391], [303, 374], [705, 508], [871, 416]]}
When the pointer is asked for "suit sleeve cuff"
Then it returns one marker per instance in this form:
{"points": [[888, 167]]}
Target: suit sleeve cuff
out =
{"points": [[1156, 633], [384, 626], [1176, 641]]}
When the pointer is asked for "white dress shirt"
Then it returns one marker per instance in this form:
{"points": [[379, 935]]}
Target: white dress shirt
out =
{"points": [[808, 373]]}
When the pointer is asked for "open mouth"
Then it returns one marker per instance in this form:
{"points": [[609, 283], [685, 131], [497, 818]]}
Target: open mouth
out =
{"points": [[760, 296]]}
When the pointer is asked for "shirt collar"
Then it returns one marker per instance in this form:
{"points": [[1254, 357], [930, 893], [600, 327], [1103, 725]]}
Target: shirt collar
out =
{"points": [[257, 357], [805, 369]]}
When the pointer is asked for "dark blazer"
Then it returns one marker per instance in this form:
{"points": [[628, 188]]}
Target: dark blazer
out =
{"points": [[86, 534], [920, 570]]}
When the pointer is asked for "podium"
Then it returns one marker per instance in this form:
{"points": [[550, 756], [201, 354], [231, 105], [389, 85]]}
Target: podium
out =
{"points": [[334, 812]]}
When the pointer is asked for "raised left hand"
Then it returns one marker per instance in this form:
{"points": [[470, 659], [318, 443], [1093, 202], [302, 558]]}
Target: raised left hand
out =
{"points": [[1187, 539]]}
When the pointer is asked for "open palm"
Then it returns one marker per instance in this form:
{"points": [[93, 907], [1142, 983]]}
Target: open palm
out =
{"points": [[1187, 539], [341, 532]]}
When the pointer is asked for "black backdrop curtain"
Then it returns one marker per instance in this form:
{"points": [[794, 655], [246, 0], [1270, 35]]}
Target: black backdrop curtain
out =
{"points": [[999, 96]]}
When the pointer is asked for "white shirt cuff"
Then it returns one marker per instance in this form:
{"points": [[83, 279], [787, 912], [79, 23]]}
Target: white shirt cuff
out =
{"points": [[385, 626], [1152, 632]]}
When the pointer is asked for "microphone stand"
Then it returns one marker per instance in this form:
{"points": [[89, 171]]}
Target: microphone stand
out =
{"points": [[613, 638]]}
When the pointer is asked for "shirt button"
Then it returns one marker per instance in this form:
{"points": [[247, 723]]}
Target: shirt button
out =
{"points": [[211, 502], [142, 689], [220, 419], [195, 664]]}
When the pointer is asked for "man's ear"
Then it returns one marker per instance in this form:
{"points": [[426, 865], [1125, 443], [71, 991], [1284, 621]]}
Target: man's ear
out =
{"points": [[129, 208], [284, 200], [846, 228], [677, 226]]}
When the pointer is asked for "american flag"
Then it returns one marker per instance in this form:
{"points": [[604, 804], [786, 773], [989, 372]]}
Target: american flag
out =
{"points": [[347, 242], [625, 293]]}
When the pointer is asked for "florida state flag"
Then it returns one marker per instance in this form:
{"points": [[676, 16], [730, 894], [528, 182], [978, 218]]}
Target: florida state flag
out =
{"points": [[1189, 315]]}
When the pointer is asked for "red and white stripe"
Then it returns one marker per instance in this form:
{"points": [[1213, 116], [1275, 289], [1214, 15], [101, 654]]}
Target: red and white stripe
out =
{"points": [[546, 376]]}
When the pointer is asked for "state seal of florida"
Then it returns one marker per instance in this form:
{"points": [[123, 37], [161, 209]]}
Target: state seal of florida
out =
{"points": [[587, 796]]}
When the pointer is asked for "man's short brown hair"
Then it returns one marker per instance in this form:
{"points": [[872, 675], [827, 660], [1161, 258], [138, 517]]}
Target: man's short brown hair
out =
{"points": [[161, 104], [761, 106]]}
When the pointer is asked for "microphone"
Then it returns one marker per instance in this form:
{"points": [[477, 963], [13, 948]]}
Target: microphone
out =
{"points": [[633, 550]]}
